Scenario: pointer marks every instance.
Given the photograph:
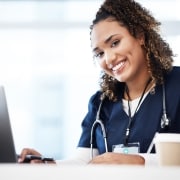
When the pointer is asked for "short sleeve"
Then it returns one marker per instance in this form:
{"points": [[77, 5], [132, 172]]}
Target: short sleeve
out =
{"points": [[89, 119]]}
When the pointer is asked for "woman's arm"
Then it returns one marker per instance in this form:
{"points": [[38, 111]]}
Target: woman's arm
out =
{"points": [[82, 157], [118, 158]]}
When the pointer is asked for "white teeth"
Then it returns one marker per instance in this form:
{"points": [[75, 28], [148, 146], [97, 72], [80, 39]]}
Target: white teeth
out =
{"points": [[115, 68]]}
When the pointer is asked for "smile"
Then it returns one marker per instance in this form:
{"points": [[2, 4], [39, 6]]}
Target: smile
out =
{"points": [[118, 66]]}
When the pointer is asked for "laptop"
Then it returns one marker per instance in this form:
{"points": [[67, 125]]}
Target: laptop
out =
{"points": [[7, 147]]}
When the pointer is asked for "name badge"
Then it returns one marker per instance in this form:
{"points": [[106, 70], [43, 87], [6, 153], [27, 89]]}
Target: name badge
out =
{"points": [[130, 148]]}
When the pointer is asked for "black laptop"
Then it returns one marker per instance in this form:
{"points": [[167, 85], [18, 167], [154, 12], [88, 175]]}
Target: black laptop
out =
{"points": [[7, 147]]}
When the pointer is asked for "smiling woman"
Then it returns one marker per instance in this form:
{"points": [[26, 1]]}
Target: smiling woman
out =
{"points": [[47, 67]]}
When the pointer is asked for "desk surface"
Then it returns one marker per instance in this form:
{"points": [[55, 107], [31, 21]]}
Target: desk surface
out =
{"points": [[34, 172]]}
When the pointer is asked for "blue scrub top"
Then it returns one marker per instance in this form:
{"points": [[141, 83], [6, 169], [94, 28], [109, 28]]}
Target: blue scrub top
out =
{"points": [[146, 121]]}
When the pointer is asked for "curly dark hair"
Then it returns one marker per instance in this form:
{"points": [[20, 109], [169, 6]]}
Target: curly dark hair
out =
{"points": [[138, 20]]}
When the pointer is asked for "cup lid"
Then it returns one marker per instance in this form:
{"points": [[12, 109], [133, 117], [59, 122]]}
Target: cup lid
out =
{"points": [[167, 137]]}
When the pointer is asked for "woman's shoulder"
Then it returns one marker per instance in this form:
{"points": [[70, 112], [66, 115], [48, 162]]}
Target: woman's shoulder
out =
{"points": [[172, 80], [175, 70], [174, 74], [95, 98]]}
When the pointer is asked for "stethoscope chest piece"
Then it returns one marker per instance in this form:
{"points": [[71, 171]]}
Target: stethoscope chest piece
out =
{"points": [[165, 121]]}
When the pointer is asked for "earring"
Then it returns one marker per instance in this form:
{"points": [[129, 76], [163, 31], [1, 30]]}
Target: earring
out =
{"points": [[142, 42], [152, 91]]}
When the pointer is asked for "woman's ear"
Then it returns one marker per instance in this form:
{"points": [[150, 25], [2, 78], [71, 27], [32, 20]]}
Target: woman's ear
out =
{"points": [[141, 39]]}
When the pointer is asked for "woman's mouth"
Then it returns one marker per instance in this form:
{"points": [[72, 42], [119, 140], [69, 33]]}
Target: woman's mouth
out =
{"points": [[118, 67]]}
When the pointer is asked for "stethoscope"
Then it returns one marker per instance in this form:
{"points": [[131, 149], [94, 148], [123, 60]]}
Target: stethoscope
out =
{"points": [[98, 121], [165, 122]]}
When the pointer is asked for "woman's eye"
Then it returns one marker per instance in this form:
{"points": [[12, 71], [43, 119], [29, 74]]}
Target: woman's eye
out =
{"points": [[98, 55], [115, 43]]}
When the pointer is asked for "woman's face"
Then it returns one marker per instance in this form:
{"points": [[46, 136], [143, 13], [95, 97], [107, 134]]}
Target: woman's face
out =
{"points": [[118, 53]]}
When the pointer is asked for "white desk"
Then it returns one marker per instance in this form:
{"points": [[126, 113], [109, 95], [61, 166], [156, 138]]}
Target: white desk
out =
{"points": [[53, 172]]}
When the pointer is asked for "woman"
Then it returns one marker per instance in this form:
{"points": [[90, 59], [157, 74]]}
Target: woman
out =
{"points": [[139, 87]]}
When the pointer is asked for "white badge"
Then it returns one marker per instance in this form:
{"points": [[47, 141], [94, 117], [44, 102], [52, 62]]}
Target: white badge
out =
{"points": [[130, 148]]}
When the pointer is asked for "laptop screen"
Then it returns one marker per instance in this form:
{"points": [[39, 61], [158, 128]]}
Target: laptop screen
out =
{"points": [[7, 147]]}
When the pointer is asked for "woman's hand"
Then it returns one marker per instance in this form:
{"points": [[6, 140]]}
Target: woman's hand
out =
{"points": [[118, 158], [35, 154], [28, 151]]}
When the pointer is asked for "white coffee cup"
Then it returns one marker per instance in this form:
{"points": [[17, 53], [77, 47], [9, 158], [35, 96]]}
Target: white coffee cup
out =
{"points": [[167, 147]]}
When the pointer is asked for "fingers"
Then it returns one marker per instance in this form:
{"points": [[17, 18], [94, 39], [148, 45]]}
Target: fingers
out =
{"points": [[28, 151]]}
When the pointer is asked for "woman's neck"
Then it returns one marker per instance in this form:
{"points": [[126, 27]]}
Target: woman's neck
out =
{"points": [[134, 90]]}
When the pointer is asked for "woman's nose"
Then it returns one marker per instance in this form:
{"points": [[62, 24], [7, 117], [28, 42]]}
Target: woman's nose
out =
{"points": [[109, 57]]}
